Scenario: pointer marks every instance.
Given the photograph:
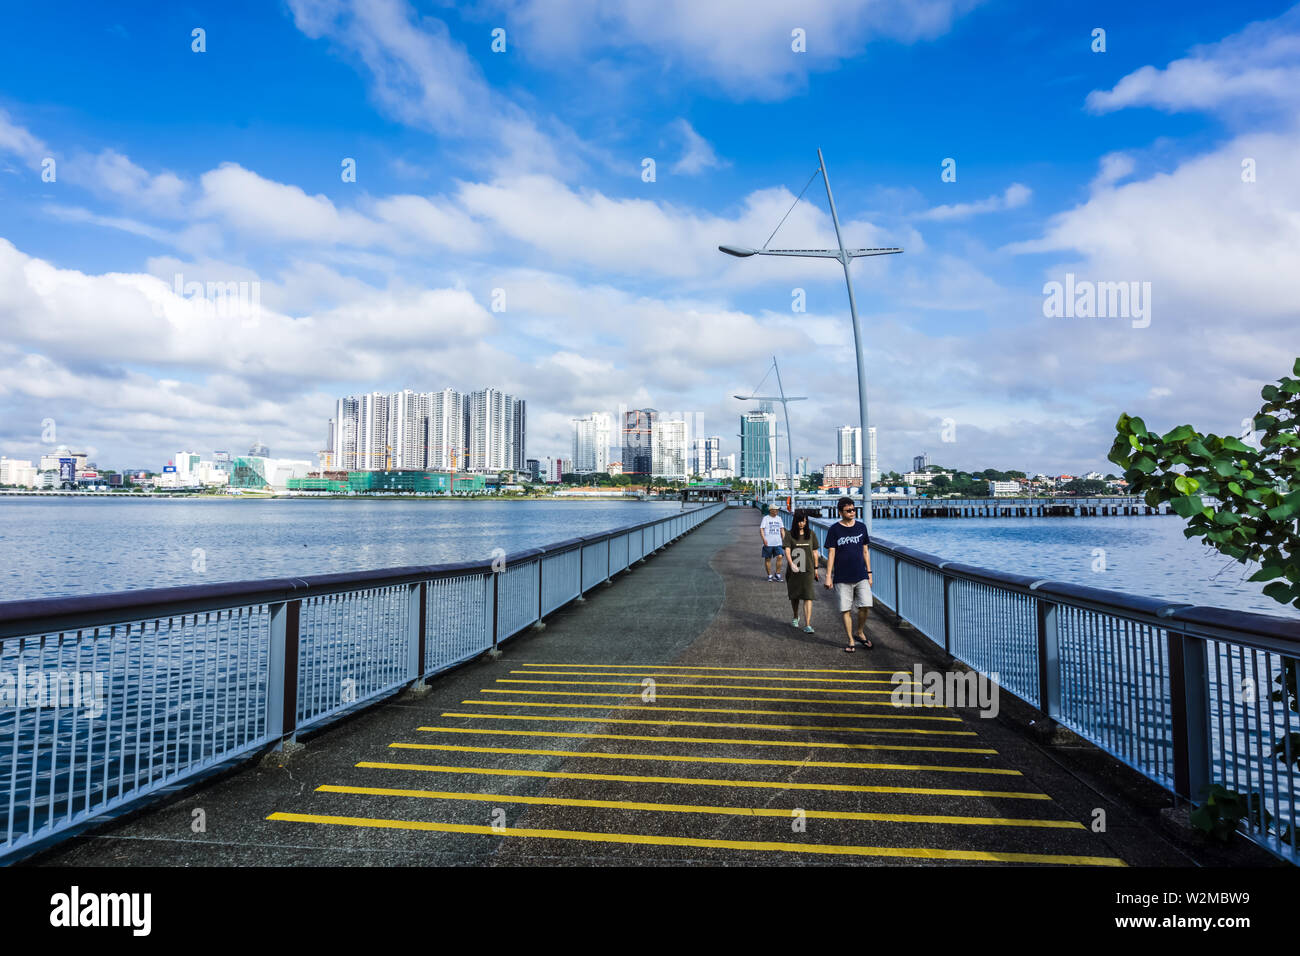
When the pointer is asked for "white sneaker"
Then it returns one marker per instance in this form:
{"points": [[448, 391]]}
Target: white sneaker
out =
{"points": [[778, 577], [795, 622], [769, 577]]}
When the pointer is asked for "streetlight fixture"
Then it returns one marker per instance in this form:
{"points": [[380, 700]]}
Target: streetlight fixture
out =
{"points": [[844, 256]]}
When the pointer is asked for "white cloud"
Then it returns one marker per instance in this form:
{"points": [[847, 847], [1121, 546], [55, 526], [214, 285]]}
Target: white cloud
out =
{"points": [[1258, 68], [697, 153], [743, 46], [20, 142], [1015, 195]]}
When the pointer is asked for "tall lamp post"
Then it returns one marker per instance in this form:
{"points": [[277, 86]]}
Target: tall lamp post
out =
{"points": [[844, 256]]}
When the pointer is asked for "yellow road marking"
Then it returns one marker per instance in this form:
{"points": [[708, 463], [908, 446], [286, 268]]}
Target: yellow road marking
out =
{"points": [[820, 680], [691, 740], [743, 710], [703, 781], [690, 758], [689, 667], [655, 840], [695, 808], [779, 700], [616, 683]]}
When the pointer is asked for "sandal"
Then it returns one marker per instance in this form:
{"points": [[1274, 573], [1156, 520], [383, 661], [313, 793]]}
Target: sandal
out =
{"points": [[850, 649], [865, 642]]}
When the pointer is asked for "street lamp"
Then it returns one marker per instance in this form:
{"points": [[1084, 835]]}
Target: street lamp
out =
{"points": [[844, 256]]}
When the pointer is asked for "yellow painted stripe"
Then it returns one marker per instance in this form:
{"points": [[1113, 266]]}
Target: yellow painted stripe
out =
{"points": [[924, 853], [695, 808], [820, 680], [623, 695], [691, 667], [616, 683], [704, 781], [743, 710], [693, 740], [690, 758]]}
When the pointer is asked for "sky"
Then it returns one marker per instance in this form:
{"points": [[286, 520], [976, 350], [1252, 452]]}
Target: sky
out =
{"points": [[412, 208]]}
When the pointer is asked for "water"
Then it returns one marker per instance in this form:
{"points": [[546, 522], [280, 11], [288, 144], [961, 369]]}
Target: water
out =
{"points": [[1145, 555], [70, 546]]}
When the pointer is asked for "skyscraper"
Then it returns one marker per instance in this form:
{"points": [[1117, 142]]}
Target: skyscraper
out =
{"points": [[850, 444], [372, 432], [705, 453], [921, 461], [343, 436], [591, 437], [758, 446], [444, 442], [638, 441], [668, 448]]}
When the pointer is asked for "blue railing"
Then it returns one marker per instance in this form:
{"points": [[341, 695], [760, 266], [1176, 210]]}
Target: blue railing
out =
{"points": [[1181, 693], [108, 699]]}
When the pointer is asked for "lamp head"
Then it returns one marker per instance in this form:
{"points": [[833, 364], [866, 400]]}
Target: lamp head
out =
{"points": [[740, 252]]}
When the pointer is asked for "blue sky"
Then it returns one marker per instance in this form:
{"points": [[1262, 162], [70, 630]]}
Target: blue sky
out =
{"points": [[522, 171]]}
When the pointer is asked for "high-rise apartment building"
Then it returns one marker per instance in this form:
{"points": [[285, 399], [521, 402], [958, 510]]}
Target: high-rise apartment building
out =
{"points": [[591, 436], [873, 468], [849, 439], [638, 441], [705, 453], [921, 461], [668, 448], [758, 446], [444, 442]]}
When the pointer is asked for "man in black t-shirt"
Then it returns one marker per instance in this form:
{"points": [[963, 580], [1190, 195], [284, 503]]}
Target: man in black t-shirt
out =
{"points": [[848, 571]]}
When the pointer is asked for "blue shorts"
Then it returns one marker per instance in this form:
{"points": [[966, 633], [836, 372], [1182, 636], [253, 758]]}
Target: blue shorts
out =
{"points": [[772, 551]]}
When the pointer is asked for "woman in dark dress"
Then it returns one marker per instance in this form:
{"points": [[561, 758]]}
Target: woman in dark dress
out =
{"points": [[803, 561]]}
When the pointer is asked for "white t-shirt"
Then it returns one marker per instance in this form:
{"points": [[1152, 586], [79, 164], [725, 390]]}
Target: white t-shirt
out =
{"points": [[773, 531]]}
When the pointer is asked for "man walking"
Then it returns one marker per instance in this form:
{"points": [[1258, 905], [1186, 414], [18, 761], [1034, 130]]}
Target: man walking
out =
{"points": [[772, 531], [848, 565]]}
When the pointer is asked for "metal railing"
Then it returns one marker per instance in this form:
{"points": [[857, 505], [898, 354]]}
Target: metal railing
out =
{"points": [[110, 698], [1189, 696]]}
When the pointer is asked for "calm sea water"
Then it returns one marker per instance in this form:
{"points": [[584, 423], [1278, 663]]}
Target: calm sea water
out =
{"points": [[61, 547], [1146, 555]]}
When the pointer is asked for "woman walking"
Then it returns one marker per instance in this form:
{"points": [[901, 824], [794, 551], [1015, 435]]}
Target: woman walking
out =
{"points": [[802, 559]]}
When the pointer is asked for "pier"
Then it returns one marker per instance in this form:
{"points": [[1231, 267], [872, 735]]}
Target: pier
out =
{"points": [[635, 697]]}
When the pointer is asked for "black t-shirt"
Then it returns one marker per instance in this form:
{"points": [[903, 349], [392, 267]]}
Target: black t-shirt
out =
{"points": [[850, 568]]}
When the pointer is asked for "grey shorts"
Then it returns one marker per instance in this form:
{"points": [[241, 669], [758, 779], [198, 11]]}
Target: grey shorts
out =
{"points": [[854, 595]]}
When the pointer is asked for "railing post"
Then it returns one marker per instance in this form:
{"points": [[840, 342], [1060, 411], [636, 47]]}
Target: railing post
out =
{"points": [[1189, 698], [1049, 656], [496, 605], [282, 672], [949, 619], [416, 621], [898, 594]]}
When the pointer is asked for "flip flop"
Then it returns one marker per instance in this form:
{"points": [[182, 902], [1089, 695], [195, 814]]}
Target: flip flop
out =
{"points": [[865, 642], [850, 649]]}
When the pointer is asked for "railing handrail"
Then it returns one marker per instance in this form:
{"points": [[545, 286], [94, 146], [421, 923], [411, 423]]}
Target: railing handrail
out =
{"points": [[23, 617], [1269, 631]]}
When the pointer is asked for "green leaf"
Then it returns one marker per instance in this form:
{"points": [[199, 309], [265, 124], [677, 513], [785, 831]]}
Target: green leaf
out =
{"points": [[1144, 463], [1186, 506], [1233, 444], [1181, 433], [1234, 488]]}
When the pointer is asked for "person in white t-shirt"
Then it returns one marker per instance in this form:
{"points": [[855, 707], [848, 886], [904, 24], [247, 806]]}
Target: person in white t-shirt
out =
{"points": [[772, 532]]}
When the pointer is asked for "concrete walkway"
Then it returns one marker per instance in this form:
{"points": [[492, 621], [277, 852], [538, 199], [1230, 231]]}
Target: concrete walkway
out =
{"points": [[674, 717]]}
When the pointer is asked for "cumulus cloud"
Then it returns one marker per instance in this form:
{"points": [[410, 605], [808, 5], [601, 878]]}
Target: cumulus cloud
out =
{"points": [[1256, 69], [743, 46]]}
